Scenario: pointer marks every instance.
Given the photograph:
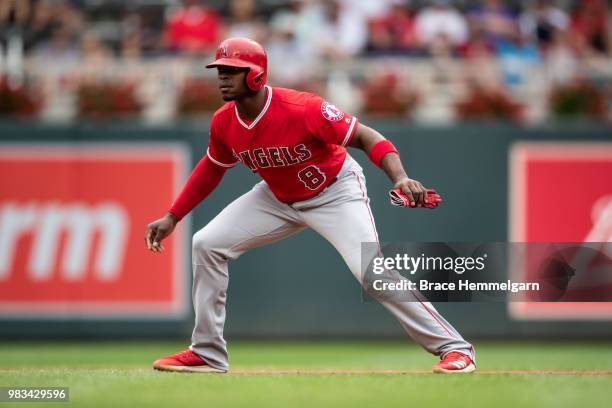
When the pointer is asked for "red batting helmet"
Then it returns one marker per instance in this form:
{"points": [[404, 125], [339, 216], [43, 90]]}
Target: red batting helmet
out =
{"points": [[243, 53]]}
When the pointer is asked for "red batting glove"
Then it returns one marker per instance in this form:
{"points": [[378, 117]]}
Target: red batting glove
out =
{"points": [[399, 199]]}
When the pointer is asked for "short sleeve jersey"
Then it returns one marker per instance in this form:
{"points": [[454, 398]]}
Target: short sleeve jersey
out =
{"points": [[296, 144]]}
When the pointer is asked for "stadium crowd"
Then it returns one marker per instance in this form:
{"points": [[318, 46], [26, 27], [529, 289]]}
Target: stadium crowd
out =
{"points": [[301, 33], [313, 28]]}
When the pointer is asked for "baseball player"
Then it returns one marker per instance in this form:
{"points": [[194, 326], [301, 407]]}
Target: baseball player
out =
{"points": [[296, 142]]}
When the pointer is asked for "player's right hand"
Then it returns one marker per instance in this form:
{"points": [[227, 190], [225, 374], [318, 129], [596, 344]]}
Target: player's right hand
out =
{"points": [[414, 191], [158, 230], [399, 199]]}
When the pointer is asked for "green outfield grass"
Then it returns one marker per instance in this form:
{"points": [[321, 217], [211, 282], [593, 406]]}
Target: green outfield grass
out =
{"points": [[273, 374]]}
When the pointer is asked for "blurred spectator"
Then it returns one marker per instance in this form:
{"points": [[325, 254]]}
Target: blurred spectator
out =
{"points": [[341, 33], [14, 12], [61, 47], [42, 23], [478, 46], [131, 38], [193, 28], [242, 21], [517, 57], [72, 40], [540, 20], [289, 59], [141, 31], [494, 19], [440, 27], [393, 32], [591, 27], [370, 9], [53, 35], [94, 51], [561, 59], [50, 17], [303, 16]]}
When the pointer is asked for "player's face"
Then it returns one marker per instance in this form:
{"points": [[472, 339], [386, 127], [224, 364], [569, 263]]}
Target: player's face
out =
{"points": [[232, 83]]}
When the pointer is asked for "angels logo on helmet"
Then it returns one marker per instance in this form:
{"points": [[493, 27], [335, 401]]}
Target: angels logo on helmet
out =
{"points": [[223, 50]]}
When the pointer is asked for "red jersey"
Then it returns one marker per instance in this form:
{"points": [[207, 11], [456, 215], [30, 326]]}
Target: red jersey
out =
{"points": [[296, 144]]}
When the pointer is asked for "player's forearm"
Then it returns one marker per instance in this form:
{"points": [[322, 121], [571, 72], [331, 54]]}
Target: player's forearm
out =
{"points": [[366, 138], [203, 180], [392, 166]]}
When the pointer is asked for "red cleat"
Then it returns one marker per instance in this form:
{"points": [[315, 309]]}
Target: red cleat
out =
{"points": [[185, 361], [455, 362]]}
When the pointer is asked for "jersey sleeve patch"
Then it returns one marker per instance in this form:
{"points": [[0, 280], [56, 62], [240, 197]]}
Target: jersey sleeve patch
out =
{"points": [[330, 112], [328, 123]]}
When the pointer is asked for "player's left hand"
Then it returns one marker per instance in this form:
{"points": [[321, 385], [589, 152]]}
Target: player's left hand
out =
{"points": [[414, 190]]}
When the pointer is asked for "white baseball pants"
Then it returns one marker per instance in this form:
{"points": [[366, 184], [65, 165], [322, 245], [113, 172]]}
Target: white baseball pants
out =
{"points": [[341, 214]]}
